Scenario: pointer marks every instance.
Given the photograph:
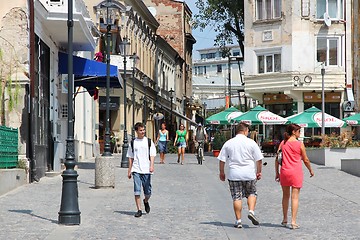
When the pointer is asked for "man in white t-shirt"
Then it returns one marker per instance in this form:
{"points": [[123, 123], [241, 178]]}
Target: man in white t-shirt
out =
{"points": [[141, 166], [244, 159]]}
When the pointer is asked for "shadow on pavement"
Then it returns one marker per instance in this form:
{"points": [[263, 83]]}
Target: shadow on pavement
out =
{"points": [[219, 224], [86, 165], [129, 213], [29, 212]]}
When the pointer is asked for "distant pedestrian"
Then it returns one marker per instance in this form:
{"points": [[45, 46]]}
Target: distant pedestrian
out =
{"points": [[291, 173], [200, 137], [141, 166], [161, 141], [180, 141], [244, 169]]}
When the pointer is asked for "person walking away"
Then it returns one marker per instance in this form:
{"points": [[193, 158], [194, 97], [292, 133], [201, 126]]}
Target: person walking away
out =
{"points": [[244, 169], [161, 141], [291, 173], [200, 137], [180, 141], [141, 166]]}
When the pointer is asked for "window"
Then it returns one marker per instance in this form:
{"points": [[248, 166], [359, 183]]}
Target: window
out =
{"points": [[219, 68], [207, 55], [268, 9], [328, 51], [333, 7], [236, 53], [200, 70], [269, 63]]}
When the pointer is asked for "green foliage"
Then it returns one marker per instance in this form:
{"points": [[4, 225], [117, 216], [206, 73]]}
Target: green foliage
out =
{"points": [[171, 148], [343, 140], [225, 16], [9, 90], [219, 140]]}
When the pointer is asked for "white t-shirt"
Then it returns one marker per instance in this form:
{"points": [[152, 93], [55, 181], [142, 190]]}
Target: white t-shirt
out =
{"points": [[241, 153], [141, 162]]}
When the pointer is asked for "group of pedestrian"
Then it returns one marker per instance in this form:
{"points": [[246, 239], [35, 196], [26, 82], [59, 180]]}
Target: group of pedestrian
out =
{"points": [[244, 159], [141, 155]]}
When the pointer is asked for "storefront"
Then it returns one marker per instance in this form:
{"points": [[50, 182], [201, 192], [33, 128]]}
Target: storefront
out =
{"points": [[332, 107]]}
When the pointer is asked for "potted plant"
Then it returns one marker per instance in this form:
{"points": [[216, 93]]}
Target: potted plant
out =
{"points": [[217, 143]]}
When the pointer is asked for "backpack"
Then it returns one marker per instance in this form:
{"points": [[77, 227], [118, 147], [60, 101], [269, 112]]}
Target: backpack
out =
{"points": [[132, 145]]}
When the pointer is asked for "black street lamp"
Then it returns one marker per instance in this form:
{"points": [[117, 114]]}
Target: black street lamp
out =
{"points": [[108, 21], [205, 105], [124, 160], [171, 104], [134, 58], [145, 84], [230, 59], [322, 101], [69, 213]]}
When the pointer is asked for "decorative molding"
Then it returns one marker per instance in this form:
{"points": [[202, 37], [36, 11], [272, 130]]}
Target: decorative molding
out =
{"points": [[267, 35]]}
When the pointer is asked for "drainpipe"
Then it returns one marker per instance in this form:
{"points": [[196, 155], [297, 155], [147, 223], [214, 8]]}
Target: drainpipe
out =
{"points": [[30, 92]]}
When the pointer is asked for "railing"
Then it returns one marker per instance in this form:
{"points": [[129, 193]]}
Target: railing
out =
{"points": [[8, 147], [62, 6]]}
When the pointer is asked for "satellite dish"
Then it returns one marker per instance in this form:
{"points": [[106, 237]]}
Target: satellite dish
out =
{"points": [[327, 19]]}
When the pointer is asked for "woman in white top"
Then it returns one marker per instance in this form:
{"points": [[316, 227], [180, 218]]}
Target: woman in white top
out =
{"points": [[161, 141]]}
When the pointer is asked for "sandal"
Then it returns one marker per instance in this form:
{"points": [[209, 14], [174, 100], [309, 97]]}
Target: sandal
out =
{"points": [[294, 226], [284, 224]]}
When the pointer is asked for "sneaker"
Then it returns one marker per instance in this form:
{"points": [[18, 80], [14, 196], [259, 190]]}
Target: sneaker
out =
{"points": [[253, 219], [147, 206], [138, 213], [238, 224]]}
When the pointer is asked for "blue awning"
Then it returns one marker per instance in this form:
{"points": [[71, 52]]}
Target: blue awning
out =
{"points": [[89, 73]]}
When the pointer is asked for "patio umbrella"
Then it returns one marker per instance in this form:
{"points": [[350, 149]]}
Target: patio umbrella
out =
{"points": [[259, 115], [312, 117], [223, 117], [353, 120]]}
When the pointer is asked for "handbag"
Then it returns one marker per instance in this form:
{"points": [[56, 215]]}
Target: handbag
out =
{"points": [[279, 157]]}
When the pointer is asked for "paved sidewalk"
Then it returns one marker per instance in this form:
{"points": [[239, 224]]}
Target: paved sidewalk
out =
{"points": [[188, 202]]}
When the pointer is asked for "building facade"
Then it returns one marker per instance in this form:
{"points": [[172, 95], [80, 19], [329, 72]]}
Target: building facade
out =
{"points": [[287, 44], [215, 77], [174, 18], [33, 34]]}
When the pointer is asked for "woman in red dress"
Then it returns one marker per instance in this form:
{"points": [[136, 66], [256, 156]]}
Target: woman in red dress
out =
{"points": [[291, 174]]}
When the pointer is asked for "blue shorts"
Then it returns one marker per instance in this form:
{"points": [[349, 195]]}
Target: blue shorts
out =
{"points": [[145, 181], [181, 144], [162, 146]]}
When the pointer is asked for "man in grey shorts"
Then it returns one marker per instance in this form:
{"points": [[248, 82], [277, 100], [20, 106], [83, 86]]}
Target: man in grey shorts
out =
{"points": [[244, 159]]}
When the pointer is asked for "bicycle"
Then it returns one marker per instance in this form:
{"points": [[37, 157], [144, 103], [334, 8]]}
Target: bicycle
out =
{"points": [[200, 152]]}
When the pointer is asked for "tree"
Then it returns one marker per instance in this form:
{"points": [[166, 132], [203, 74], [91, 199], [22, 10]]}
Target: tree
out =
{"points": [[227, 18]]}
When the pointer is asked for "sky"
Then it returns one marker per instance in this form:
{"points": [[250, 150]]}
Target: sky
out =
{"points": [[204, 39]]}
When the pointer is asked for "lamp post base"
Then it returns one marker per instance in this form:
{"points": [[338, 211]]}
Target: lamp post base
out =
{"points": [[124, 159], [69, 213]]}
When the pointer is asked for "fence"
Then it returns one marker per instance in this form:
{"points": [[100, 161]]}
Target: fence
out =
{"points": [[8, 147]]}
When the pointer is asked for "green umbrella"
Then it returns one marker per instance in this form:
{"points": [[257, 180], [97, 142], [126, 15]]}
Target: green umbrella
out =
{"points": [[353, 120], [223, 117], [259, 115], [312, 117]]}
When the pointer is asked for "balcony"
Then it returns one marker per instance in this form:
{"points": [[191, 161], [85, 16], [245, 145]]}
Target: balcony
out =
{"points": [[53, 16]]}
